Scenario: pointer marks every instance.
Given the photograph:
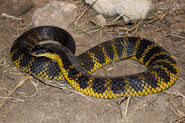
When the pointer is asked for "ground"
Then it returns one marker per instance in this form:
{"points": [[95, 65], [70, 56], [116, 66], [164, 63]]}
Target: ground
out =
{"points": [[25, 99]]}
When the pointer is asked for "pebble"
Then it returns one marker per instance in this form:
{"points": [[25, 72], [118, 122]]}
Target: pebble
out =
{"points": [[100, 20], [55, 13], [18, 7], [129, 9]]}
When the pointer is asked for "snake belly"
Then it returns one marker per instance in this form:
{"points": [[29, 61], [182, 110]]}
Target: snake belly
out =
{"points": [[162, 70]]}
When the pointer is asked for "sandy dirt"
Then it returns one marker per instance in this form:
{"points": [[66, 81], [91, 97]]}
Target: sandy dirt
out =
{"points": [[38, 102]]}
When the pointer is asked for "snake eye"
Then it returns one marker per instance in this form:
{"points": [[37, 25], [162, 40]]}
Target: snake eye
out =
{"points": [[38, 50]]}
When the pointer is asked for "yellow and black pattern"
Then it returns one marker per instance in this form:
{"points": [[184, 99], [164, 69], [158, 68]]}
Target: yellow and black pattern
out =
{"points": [[57, 62]]}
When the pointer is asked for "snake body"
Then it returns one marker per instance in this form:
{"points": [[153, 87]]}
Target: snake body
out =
{"points": [[57, 62]]}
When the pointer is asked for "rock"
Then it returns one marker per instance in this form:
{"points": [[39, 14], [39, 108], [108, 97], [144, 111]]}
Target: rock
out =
{"points": [[103, 6], [55, 13], [100, 20], [17, 7], [131, 9]]}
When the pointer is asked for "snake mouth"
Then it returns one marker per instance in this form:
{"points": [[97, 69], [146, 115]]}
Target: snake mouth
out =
{"points": [[38, 50], [47, 48], [44, 47]]}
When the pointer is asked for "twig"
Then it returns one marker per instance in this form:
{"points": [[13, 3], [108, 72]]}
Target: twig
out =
{"points": [[158, 29], [175, 36], [11, 17], [119, 17], [177, 94], [179, 120], [179, 113], [133, 28], [34, 84], [20, 100], [83, 13], [162, 16], [13, 90], [128, 101], [176, 111], [158, 18]]}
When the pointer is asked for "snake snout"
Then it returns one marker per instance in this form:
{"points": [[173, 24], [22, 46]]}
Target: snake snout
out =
{"points": [[38, 50]]}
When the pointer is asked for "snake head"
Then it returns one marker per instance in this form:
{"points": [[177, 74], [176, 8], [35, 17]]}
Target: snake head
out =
{"points": [[51, 51], [45, 50], [38, 51]]}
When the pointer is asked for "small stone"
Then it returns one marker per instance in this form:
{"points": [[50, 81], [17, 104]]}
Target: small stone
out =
{"points": [[55, 13], [103, 6], [19, 7], [100, 20], [129, 9]]}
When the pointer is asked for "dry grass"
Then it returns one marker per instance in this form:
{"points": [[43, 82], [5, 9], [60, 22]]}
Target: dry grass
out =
{"points": [[125, 29]]}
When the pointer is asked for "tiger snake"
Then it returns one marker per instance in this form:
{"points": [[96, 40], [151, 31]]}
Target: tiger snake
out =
{"points": [[56, 61]]}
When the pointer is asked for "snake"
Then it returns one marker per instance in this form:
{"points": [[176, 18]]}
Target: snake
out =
{"points": [[48, 52]]}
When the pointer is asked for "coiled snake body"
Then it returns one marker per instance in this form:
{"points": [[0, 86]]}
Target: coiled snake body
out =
{"points": [[55, 61]]}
